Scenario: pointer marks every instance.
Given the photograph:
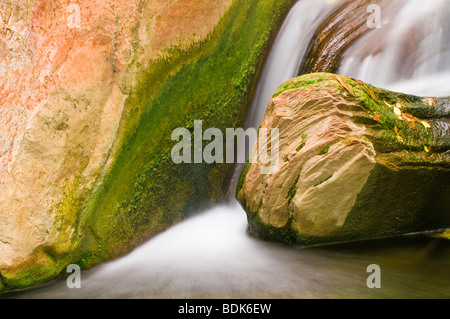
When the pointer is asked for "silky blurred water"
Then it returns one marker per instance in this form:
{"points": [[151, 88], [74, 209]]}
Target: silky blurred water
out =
{"points": [[211, 256], [409, 53]]}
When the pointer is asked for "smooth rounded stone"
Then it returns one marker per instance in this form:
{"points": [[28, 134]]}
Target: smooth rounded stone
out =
{"points": [[355, 162]]}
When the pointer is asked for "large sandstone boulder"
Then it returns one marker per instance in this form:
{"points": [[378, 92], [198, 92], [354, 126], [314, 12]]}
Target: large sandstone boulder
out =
{"points": [[355, 162], [90, 93]]}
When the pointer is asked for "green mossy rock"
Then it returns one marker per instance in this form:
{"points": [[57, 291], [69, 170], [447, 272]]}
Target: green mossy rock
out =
{"points": [[355, 162], [100, 215]]}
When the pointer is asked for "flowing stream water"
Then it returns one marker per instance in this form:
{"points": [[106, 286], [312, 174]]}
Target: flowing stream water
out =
{"points": [[210, 255]]}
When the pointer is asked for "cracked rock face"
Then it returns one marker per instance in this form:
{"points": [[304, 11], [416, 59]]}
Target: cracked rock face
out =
{"points": [[355, 162]]}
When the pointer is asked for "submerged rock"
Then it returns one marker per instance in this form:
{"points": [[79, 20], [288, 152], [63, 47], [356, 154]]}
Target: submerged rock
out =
{"points": [[356, 162]]}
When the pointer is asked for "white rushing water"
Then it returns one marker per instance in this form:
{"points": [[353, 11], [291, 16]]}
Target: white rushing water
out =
{"points": [[410, 53], [211, 255], [287, 52]]}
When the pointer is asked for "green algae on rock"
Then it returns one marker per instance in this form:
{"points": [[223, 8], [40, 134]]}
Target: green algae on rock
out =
{"points": [[360, 163], [86, 200]]}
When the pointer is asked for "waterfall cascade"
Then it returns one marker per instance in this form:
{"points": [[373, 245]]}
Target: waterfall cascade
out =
{"points": [[409, 53]]}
